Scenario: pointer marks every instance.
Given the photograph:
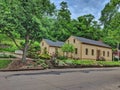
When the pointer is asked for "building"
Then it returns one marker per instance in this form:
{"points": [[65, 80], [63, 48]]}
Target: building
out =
{"points": [[116, 54], [51, 47], [89, 49]]}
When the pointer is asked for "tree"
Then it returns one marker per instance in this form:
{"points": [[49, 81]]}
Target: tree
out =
{"points": [[110, 20], [24, 17], [61, 29], [109, 12], [87, 27], [68, 48]]}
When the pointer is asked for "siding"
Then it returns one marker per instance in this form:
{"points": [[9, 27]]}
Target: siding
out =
{"points": [[95, 48], [77, 45], [50, 49], [44, 46], [81, 50]]}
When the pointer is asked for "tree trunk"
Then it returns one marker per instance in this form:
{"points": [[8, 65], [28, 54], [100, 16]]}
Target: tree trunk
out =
{"points": [[25, 48]]}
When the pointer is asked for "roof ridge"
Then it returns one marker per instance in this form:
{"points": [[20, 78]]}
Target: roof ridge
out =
{"points": [[87, 38], [52, 43], [91, 41]]}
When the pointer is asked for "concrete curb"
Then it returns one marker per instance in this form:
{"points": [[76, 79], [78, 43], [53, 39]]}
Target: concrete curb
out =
{"points": [[6, 70], [58, 67]]}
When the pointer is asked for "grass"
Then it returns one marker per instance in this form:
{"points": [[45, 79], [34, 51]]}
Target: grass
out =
{"points": [[108, 63], [91, 62], [6, 56], [4, 63], [12, 47]]}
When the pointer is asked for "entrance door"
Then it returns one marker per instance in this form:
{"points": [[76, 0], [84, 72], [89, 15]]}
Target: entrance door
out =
{"points": [[98, 54]]}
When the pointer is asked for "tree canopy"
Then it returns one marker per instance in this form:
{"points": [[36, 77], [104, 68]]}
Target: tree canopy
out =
{"points": [[32, 20]]}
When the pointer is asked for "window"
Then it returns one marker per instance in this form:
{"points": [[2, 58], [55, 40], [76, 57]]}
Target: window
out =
{"points": [[42, 43], [103, 53], [86, 51], [92, 51], [76, 50], [68, 41], [74, 40], [108, 53]]}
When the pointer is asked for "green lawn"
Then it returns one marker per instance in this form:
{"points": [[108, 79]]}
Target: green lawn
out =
{"points": [[4, 63], [91, 62]]}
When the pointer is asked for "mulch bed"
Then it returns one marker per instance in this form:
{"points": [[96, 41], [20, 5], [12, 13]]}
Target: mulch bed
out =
{"points": [[18, 65]]}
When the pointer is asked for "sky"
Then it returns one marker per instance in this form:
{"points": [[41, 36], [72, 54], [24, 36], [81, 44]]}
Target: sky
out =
{"points": [[83, 7]]}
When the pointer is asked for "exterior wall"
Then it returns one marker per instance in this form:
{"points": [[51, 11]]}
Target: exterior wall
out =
{"points": [[81, 50], [50, 49], [60, 52], [103, 52], [76, 43], [44, 45], [53, 50]]}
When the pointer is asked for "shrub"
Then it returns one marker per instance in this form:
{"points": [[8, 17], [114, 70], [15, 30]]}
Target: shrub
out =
{"points": [[101, 59], [33, 49], [4, 63], [44, 56], [62, 57], [42, 63]]}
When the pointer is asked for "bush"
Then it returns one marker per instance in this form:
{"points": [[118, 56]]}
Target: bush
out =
{"points": [[33, 51], [4, 63], [62, 57], [44, 56], [115, 59], [42, 63], [101, 59]]}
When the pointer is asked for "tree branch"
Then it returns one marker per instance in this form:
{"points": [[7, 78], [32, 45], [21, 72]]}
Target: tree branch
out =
{"points": [[9, 34]]}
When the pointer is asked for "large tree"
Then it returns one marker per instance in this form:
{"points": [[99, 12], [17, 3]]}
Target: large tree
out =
{"points": [[109, 11], [110, 21], [63, 19], [24, 17], [87, 27]]}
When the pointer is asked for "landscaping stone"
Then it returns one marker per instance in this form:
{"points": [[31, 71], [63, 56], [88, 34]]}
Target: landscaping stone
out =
{"points": [[20, 52]]}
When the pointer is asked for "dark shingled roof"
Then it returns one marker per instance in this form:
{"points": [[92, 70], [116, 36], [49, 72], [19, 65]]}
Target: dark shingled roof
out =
{"points": [[92, 42], [52, 43]]}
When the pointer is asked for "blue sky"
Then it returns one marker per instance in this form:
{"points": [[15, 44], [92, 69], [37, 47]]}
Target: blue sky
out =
{"points": [[82, 7]]}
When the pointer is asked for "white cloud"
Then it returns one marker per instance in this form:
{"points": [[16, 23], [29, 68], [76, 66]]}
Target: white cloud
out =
{"points": [[82, 7]]}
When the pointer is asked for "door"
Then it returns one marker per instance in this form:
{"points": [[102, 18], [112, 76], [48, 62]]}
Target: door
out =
{"points": [[98, 54]]}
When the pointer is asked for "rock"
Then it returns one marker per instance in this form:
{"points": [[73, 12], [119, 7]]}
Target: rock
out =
{"points": [[20, 52]]}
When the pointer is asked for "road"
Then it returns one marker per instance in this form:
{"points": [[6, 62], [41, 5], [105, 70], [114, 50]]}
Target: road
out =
{"points": [[62, 79]]}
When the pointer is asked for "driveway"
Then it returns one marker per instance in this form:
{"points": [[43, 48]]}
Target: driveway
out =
{"points": [[62, 79]]}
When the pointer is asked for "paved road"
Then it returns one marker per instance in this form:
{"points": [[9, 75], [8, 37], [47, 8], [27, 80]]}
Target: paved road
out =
{"points": [[62, 79]]}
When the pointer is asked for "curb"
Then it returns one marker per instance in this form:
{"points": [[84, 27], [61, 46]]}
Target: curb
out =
{"points": [[12, 70]]}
